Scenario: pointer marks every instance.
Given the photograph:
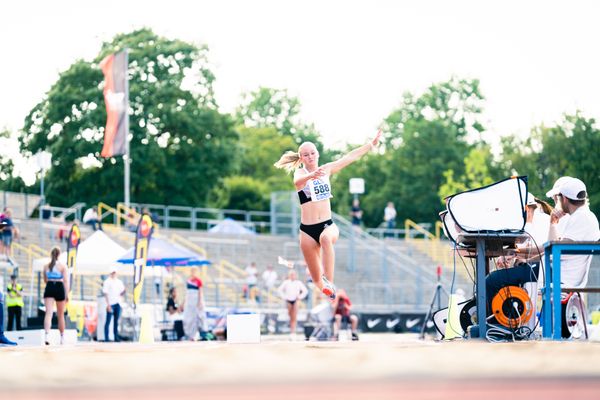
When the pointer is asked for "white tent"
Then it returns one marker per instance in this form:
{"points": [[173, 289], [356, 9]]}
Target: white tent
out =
{"points": [[231, 227], [96, 256]]}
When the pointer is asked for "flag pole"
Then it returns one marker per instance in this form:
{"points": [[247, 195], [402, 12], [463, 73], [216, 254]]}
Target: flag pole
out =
{"points": [[126, 158]]}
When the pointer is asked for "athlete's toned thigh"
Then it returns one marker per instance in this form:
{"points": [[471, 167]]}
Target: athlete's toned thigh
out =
{"points": [[311, 251], [308, 244], [331, 233]]}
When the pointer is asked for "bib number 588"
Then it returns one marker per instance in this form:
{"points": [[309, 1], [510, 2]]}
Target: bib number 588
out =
{"points": [[321, 189]]}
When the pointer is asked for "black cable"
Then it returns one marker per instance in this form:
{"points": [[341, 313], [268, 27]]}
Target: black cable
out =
{"points": [[471, 277], [541, 272], [523, 332], [451, 292]]}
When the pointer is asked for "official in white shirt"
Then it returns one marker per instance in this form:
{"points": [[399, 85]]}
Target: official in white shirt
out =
{"points": [[582, 225], [113, 289], [292, 290]]}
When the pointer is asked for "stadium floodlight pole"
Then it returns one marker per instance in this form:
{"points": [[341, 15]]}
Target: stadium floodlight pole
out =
{"points": [[126, 157]]}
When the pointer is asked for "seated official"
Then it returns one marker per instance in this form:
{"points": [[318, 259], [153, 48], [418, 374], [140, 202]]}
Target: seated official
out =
{"points": [[342, 306], [524, 262], [570, 199]]}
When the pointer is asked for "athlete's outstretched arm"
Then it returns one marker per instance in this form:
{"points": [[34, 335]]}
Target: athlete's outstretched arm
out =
{"points": [[338, 165]]}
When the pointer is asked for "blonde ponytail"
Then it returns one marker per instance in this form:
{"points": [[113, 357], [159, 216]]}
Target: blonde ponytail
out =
{"points": [[289, 161]]}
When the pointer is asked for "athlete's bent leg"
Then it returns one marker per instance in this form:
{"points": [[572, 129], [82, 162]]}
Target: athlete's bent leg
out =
{"points": [[328, 239], [312, 256]]}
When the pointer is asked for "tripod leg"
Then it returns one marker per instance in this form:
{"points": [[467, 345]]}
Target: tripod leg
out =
{"points": [[436, 295]]}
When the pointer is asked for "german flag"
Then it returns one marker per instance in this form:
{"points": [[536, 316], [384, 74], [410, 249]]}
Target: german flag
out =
{"points": [[116, 96]]}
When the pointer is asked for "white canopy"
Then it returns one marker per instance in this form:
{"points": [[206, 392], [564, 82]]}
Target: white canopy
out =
{"points": [[97, 255], [231, 227]]}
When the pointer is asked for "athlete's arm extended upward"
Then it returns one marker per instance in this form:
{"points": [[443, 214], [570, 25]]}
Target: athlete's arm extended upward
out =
{"points": [[338, 165]]}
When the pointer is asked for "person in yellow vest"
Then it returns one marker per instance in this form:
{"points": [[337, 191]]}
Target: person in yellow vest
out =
{"points": [[14, 303]]}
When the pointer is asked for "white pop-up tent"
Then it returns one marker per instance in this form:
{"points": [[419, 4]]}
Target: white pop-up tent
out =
{"points": [[96, 255], [231, 227]]}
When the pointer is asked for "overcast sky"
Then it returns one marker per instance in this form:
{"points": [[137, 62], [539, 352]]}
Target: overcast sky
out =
{"points": [[347, 61]]}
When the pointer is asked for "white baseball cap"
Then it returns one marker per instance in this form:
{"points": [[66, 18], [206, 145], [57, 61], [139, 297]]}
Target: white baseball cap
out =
{"points": [[530, 199], [573, 188], [555, 189]]}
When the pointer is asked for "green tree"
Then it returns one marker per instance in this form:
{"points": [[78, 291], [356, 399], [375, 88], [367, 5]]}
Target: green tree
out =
{"points": [[250, 185], [180, 145], [478, 172], [241, 193], [259, 148], [9, 181], [268, 107], [456, 103], [426, 136], [570, 148], [6, 164], [372, 169]]}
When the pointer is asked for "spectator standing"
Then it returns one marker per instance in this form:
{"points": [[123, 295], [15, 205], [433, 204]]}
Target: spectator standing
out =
{"points": [[194, 313], [14, 303], [269, 277], [251, 282], [8, 232], [389, 216], [113, 289], [3, 339], [3, 225], [292, 290], [356, 212]]}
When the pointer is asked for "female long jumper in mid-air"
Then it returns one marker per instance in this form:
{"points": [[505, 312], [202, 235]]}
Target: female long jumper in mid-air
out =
{"points": [[318, 233]]}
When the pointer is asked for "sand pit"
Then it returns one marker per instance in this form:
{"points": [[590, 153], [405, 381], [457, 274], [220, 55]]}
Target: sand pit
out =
{"points": [[377, 361]]}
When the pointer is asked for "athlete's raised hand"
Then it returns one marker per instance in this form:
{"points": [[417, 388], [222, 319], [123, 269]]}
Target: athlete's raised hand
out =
{"points": [[375, 140], [319, 172]]}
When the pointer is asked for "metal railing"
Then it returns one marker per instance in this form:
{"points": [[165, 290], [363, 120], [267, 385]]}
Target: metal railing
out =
{"points": [[381, 233], [61, 213], [202, 218], [121, 214], [430, 244]]}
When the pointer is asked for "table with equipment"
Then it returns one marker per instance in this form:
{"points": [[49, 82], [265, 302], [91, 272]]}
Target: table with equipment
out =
{"points": [[486, 246]]}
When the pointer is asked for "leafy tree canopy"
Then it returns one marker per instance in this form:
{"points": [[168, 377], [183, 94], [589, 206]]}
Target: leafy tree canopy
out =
{"points": [[426, 136], [570, 148], [275, 108], [241, 193], [180, 144]]}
